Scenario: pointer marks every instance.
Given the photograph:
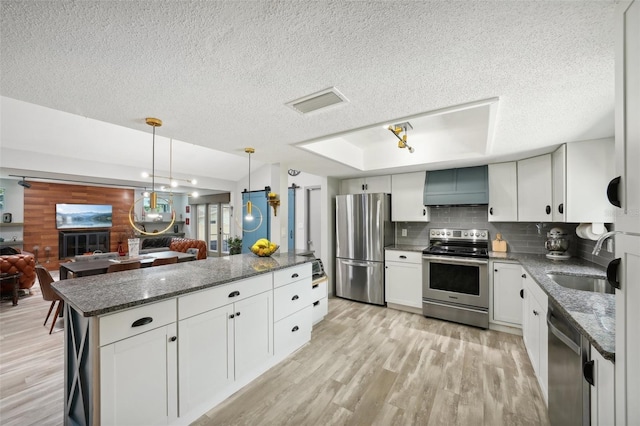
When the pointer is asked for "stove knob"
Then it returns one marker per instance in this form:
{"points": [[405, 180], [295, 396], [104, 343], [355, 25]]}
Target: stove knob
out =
{"points": [[477, 235], [466, 234], [483, 234], [448, 233]]}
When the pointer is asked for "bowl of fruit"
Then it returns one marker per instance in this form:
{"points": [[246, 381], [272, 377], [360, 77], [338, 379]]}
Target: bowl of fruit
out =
{"points": [[264, 248]]}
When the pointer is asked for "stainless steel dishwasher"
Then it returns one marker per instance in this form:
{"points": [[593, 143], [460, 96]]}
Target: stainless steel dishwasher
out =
{"points": [[569, 391]]}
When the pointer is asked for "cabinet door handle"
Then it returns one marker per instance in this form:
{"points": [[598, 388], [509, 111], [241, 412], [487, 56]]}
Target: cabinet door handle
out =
{"points": [[524, 275], [521, 293], [232, 316], [294, 329], [424, 212], [295, 275], [535, 312], [173, 338], [142, 321], [234, 294], [561, 208], [403, 257], [495, 270], [612, 192], [612, 273], [237, 314], [491, 211], [296, 297], [587, 372], [316, 303], [548, 209]]}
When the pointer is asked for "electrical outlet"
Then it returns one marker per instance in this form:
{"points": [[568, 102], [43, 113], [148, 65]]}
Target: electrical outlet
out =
{"points": [[610, 245], [404, 232]]}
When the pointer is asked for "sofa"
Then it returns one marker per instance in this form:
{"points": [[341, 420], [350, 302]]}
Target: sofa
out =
{"points": [[151, 244], [20, 262]]}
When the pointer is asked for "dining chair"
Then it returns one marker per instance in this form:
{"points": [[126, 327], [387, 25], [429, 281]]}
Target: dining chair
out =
{"points": [[45, 279], [125, 266], [165, 261]]}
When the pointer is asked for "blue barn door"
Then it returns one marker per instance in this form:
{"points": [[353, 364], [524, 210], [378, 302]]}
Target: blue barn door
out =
{"points": [[251, 234]]}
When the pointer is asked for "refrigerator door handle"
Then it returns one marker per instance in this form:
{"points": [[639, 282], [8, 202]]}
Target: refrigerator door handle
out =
{"points": [[359, 263]]}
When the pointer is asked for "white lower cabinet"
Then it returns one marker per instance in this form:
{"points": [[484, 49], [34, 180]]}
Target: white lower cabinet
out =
{"points": [[534, 330], [602, 391], [253, 333], [507, 287], [319, 299], [293, 310], [138, 379], [403, 278]]}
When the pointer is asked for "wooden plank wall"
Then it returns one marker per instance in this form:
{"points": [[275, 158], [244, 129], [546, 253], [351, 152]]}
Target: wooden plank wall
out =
{"points": [[40, 214]]}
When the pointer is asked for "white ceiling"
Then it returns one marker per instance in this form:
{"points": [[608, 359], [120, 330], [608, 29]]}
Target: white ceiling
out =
{"points": [[220, 73]]}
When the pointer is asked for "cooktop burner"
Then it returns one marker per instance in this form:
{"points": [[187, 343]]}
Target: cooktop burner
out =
{"points": [[458, 242]]}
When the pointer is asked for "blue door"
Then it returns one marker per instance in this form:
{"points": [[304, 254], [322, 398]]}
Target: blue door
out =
{"points": [[292, 219], [253, 230]]}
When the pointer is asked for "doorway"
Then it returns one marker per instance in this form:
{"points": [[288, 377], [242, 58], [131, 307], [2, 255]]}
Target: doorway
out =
{"points": [[260, 226], [314, 241], [214, 226]]}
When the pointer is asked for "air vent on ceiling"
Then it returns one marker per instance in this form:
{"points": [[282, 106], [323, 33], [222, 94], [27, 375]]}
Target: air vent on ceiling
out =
{"points": [[314, 102]]}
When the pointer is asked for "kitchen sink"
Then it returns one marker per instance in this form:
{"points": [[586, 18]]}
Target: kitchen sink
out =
{"points": [[597, 285]]}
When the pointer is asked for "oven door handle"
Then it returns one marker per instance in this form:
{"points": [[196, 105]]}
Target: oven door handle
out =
{"points": [[455, 261]]}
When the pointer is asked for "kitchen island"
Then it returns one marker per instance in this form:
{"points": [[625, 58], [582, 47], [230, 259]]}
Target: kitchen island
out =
{"points": [[163, 345]]}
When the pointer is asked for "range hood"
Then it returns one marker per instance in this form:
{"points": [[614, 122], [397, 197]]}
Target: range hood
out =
{"points": [[467, 186]]}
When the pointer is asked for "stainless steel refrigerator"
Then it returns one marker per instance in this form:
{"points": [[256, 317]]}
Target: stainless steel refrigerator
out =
{"points": [[363, 229]]}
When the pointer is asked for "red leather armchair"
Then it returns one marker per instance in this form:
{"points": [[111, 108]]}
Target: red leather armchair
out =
{"points": [[22, 262], [182, 244]]}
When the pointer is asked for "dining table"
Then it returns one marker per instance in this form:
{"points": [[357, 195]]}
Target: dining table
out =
{"points": [[100, 266]]}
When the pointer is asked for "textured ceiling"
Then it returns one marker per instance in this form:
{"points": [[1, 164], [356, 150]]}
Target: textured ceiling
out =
{"points": [[220, 73]]}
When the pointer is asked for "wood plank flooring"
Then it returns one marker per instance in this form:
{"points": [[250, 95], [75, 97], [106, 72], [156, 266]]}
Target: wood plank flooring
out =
{"points": [[368, 365], [365, 365]]}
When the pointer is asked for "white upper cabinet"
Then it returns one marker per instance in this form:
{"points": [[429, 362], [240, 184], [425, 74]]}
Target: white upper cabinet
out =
{"points": [[503, 192], [625, 194], [535, 189], [581, 172], [407, 194], [371, 185]]}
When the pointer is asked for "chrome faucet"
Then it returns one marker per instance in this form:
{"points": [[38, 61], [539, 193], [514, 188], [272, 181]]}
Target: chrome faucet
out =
{"points": [[598, 247]]}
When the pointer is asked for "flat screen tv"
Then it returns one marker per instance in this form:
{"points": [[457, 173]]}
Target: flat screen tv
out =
{"points": [[76, 216]]}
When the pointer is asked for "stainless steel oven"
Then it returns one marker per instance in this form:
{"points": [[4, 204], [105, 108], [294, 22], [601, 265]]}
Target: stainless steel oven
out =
{"points": [[455, 284]]}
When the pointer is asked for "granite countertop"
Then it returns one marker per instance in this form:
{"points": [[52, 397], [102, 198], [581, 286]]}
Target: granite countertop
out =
{"points": [[405, 247], [101, 294], [593, 314]]}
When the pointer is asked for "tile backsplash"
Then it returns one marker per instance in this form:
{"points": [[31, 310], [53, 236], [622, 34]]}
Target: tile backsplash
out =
{"points": [[521, 237]]}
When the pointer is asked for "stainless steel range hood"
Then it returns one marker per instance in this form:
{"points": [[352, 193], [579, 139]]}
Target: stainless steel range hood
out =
{"points": [[467, 186]]}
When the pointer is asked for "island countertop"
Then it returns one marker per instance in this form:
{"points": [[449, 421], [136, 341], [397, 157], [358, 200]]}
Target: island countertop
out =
{"points": [[107, 293]]}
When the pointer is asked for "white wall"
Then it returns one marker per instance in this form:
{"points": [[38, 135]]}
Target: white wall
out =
{"points": [[14, 204]]}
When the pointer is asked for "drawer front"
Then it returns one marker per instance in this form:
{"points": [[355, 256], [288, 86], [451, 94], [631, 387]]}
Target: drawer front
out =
{"points": [[292, 332], [203, 301], [319, 290], [320, 308], [291, 298], [402, 256], [134, 321], [289, 275]]}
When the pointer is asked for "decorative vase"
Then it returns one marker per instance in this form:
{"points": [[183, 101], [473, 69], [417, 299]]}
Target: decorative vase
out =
{"points": [[121, 251]]}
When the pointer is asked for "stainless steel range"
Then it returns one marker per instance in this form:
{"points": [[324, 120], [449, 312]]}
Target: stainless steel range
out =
{"points": [[455, 281]]}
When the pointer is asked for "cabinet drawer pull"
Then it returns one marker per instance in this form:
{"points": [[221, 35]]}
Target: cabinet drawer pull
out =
{"points": [[314, 286], [561, 208], [296, 297], [612, 192], [587, 372], [403, 256], [548, 209], [612, 273], [234, 294], [316, 303], [173, 338], [521, 293], [295, 276], [294, 329], [491, 211], [142, 321]]}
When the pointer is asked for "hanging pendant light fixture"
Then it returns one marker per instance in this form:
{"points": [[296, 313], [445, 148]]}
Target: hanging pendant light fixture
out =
{"points": [[253, 214], [153, 212]]}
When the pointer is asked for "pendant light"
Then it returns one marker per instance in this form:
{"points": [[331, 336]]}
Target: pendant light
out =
{"points": [[153, 195], [249, 216]]}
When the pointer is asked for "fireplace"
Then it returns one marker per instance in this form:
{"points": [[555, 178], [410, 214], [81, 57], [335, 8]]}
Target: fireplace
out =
{"points": [[80, 242]]}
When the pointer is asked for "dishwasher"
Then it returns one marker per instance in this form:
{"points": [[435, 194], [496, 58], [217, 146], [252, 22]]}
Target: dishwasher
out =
{"points": [[569, 368]]}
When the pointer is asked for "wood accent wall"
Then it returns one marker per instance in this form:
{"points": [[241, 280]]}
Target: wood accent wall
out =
{"points": [[40, 214]]}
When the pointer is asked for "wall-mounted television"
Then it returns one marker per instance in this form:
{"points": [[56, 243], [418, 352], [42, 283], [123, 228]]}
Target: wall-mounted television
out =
{"points": [[76, 216]]}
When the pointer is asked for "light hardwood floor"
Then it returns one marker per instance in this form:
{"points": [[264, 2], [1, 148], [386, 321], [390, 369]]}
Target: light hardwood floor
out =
{"points": [[365, 365]]}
